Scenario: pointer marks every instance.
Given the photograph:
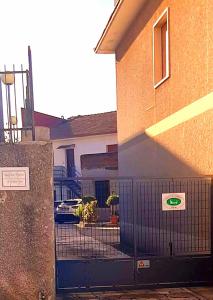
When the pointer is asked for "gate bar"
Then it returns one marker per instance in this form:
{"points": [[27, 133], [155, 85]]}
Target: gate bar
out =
{"points": [[211, 217]]}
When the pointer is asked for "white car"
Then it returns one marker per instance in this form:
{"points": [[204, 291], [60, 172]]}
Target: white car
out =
{"points": [[68, 206]]}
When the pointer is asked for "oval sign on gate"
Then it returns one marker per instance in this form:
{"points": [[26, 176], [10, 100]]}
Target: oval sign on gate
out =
{"points": [[173, 201]]}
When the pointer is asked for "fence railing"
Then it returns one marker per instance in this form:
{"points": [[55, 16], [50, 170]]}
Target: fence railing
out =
{"points": [[144, 226], [17, 103]]}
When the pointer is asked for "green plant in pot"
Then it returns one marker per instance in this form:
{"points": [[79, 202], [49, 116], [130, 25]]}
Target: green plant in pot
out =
{"points": [[87, 211], [113, 201], [79, 211]]}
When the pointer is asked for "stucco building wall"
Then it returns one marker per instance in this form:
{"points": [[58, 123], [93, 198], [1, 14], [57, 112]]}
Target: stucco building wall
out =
{"points": [[27, 259], [183, 147]]}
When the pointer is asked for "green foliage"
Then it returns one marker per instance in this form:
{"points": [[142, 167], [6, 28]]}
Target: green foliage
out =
{"points": [[87, 199], [79, 211], [112, 200], [89, 213], [87, 209]]}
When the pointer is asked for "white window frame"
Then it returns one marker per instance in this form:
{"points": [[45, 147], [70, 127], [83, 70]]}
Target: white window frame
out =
{"points": [[156, 24]]}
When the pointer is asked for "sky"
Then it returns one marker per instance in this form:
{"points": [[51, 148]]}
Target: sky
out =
{"points": [[69, 78]]}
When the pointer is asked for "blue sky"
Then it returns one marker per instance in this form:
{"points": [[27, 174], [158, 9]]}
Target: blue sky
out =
{"points": [[69, 78]]}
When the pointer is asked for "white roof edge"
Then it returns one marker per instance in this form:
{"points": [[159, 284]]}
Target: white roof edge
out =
{"points": [[108, 25], [121, 18]]}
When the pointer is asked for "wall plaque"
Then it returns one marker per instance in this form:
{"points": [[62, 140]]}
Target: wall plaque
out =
{"points": [[14, 178]]}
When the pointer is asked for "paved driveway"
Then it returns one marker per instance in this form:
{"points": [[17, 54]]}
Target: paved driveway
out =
{"points": [[151, 294], [73, 242]]}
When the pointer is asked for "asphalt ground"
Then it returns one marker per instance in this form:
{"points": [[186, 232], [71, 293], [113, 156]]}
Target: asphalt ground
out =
{"points": [[73, 242], [201, 293]]}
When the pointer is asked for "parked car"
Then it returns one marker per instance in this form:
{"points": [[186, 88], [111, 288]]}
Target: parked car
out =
{"points": [[65, 211], [56, 204]]}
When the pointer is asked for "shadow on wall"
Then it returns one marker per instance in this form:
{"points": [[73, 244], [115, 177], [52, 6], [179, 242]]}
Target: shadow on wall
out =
{"points": [[158, 170], [171, 157]]}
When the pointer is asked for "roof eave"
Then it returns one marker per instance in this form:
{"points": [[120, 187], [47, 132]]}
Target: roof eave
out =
{"points": [[82, 135], [98, 49], [121, 19]]}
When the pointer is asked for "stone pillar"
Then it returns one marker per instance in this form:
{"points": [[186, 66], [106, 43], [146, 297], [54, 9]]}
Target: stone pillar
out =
{"points": [[41, 134], [27, 257]]}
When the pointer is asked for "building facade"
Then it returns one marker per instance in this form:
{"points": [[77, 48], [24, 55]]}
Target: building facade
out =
{"points": [[164, 64]]}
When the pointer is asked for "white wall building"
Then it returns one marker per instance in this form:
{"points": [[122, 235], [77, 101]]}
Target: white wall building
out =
{"points": [[81, 145], [79, 136]]}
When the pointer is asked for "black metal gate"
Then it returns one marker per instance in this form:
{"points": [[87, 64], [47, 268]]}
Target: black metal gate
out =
{"points": [[149, 246]]}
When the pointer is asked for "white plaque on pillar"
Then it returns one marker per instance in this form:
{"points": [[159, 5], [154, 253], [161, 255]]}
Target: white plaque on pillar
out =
{"points": [[14, 179]]}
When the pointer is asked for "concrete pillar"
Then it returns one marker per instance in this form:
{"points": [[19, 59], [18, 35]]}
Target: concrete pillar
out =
{"points": [[27, 258]]}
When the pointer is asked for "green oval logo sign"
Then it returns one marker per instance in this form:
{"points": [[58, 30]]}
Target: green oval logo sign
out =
{"points": [[173, 201]]}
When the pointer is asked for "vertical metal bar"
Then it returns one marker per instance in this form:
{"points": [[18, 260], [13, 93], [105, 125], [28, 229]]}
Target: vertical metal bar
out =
{"points": [[188, 215], [23, 92], [170, 224], [170, 249], [8, 107], [9, 111], [152, 212], [194, 197], [205, 215], [211, 205], [199, 219], [192, 212], [6, 96], [149, 220], [31, 91], [6, 91], [144, 216], [16, 115], [159, 247], [208, 215], [134, 219], [56, 265], [24, 101], [1, 116], [61, 190], [139, 207]]}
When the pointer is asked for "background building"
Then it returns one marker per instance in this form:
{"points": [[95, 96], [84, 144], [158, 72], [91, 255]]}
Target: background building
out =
{"points": [[82, 146]]}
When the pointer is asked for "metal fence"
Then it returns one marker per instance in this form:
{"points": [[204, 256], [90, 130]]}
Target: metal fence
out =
{"points": [[144, 228], [17, 103]]}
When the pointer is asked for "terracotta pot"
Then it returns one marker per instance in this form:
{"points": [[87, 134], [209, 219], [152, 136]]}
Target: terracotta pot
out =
{"points": [[114, 219]]}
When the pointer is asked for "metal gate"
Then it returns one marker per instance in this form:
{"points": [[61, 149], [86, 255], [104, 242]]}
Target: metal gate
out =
{"points": [[150, 245]]}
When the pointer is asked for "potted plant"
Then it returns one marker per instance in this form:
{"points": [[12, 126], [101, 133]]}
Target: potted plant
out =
{"points": [[79, 211], [87, 210], [89, 214], [113, 201]]}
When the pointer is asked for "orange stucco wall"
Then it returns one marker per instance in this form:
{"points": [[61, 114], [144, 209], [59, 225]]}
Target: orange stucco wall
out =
{"points": [[187, 148]]}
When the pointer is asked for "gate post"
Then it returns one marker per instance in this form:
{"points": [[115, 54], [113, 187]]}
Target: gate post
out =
{"points": [[27, 258]]}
